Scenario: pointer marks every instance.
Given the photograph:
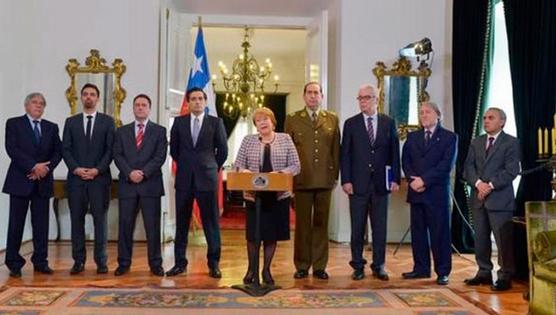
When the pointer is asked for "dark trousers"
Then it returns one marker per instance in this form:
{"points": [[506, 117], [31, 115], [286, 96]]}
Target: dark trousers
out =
{"points": [[431, 223], [150, 209], [312, 208], [16, 225], [363, 206], [91, 197], [207, 201], [500, 224]]}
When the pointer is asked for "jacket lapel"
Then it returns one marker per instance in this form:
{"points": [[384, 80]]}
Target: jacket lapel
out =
{"points": [[361, 122], [30, 132], [435, 138], [188, 135], [304, 117]]}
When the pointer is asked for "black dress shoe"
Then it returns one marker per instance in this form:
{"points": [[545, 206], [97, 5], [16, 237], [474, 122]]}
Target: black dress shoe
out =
{"points": [[44, 270], [320, 274], [300, 274], [381, 275], [176, 270], [215, 273], [501, 285], [158, 271], [120, 271], [267, 277], [102, 269], [15, 273], [442, 280], [358, 274], [478, 280], [77, 268], [249, 277], [414, 275]]}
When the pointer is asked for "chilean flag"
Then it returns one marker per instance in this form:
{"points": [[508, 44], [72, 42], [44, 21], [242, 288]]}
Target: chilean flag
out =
{"points": [[199, 76]]}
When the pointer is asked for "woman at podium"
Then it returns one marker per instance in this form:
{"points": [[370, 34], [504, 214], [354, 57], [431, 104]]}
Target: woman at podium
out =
{"points": [[265, 152]]}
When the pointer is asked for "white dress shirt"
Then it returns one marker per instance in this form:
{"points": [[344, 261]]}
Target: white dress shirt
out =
{"points": [[92, 122]]}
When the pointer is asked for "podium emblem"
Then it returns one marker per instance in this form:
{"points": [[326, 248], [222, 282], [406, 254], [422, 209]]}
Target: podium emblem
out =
{"points": [[260, 181]]}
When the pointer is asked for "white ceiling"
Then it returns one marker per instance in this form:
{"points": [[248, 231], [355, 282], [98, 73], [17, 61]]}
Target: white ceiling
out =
{"points": [[291, 8], [265, 43]]}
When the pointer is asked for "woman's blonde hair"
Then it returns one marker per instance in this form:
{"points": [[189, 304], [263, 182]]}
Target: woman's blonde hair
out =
{"points": [[264, 111]]}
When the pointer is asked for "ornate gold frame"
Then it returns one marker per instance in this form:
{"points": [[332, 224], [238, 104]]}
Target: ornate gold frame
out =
{"points": [[402, 67], [95, 64]]}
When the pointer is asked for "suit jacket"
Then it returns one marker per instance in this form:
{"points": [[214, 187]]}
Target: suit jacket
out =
{"points": [[78, 151], [283, 156], [432, 162], [500, 168], [25, 153], [149, 158], [362, 162], [318, 147], [198, 166]]}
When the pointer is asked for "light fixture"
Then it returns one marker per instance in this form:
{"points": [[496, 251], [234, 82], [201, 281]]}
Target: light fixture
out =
{"points": [[245, 83], [420, 50]]}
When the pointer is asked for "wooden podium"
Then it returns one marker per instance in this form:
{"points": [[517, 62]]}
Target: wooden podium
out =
{"points": [[258, 182]]}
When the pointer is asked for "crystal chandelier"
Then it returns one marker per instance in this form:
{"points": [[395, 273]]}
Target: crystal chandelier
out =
{"points": [[245, 84]]}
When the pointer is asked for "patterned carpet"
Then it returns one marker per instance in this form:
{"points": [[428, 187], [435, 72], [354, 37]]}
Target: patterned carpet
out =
{"points": [[33, 301]]}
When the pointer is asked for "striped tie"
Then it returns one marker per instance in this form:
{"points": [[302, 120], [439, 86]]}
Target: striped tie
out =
{"points": [[370, 130], [140, 134]]}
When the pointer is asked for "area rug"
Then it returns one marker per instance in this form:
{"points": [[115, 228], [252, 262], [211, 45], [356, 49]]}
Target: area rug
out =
{"points": [[33, 301]]}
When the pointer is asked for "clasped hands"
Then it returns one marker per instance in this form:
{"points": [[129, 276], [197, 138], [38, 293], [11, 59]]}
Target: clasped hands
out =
{"points": [[39, 171], [483, 190], [86, 173], [417, 184]]}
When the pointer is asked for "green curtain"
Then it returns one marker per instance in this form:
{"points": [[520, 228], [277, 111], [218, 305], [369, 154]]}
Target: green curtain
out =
{"points": [[531, 27], [472, 58]]}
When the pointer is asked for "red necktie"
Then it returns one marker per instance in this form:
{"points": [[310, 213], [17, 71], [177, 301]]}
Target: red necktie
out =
{"points": [[140, 134], [490, 144]]}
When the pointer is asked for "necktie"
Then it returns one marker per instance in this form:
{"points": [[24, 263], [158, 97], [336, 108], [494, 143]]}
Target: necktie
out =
{"points": [[37, 132], [89, 127], [196, 128], [140, 134], [427, 137], [370, 130], [490, 144], [314, 118]]}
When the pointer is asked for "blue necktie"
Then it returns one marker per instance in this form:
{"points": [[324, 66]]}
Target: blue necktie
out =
{"points": [[37, 132], [370, 130]]}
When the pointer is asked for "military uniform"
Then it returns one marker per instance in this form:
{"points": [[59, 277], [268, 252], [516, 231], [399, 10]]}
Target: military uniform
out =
{"points": [[318, 147]]}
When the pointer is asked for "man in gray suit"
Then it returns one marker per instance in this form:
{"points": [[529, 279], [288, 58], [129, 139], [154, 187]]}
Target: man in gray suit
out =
{"points": [[87, 151], [139, 152], [490, 167]]}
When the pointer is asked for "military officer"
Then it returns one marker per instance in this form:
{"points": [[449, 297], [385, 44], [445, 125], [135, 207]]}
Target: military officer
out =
{"points": [[316, 135]]}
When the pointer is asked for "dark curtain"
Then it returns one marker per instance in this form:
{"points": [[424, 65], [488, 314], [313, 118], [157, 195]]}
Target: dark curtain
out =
{"points": [[470, 64], [531, 27], [276, 102]]}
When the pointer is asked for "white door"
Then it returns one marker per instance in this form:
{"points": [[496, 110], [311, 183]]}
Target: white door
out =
{"points": [[316, 63]]}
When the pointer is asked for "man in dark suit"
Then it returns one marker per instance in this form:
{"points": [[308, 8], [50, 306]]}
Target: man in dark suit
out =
{"points": [[370, 144], [198, 144], [427, 160], [139, 153], [316, 135], [490, 167], [35, 149], [87, 151]]}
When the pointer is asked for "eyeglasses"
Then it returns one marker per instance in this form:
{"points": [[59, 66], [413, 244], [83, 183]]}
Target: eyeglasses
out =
{"points": [[366, 97]]}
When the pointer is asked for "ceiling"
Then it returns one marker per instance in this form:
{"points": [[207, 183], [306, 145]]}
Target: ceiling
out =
{"points": [[290, 8]]}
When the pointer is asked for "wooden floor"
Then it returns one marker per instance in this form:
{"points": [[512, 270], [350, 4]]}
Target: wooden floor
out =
{"points": [[233, 266]]}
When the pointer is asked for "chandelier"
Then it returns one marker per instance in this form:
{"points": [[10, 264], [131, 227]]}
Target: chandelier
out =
{"points": [[245, 84]]}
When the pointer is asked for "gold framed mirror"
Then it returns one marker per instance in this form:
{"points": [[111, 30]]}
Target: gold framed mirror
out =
{"points": [[402, 89], [107, 79]]}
